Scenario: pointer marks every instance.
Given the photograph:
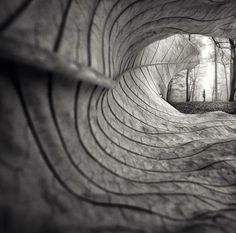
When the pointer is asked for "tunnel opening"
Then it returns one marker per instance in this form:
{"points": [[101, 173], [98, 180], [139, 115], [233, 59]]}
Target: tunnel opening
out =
{"points": [[208, 86]]}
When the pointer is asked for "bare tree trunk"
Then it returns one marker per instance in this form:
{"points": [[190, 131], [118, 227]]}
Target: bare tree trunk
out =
{"points": [[187, 78], [212, 94], [226, 82], [233, 82], [192, 85], [233, 70], [187, 85], [216, 74], [193, 89]]}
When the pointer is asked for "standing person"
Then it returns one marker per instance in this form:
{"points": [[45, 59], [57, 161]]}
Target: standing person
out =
{"points": [[204, 95]]}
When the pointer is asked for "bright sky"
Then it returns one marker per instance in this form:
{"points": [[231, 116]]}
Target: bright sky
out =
{"points": [[208, 78]]}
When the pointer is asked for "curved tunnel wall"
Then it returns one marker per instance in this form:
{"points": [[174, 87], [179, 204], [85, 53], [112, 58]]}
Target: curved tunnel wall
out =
{"points": [[79, 157], [160, 61]]}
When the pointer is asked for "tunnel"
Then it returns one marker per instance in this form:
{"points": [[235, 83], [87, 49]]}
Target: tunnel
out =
{"points": [[88, 141]]}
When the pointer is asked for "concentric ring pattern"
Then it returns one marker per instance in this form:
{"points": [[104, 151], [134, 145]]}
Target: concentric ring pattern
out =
{"points": [[76, 157]]}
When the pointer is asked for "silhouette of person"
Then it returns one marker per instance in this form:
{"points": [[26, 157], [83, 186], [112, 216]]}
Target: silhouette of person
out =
{"points": [[204, 95]]}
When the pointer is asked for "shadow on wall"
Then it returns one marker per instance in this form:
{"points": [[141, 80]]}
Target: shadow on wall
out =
{"points": [[82, 158]]}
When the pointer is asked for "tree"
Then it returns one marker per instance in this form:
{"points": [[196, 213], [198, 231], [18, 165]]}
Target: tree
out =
{"points": [[187, 78], [216, 74], [191, 75], [232, 69], [228, 58], [193, 82], [216, 71], [187, 85], [225, 61]]}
